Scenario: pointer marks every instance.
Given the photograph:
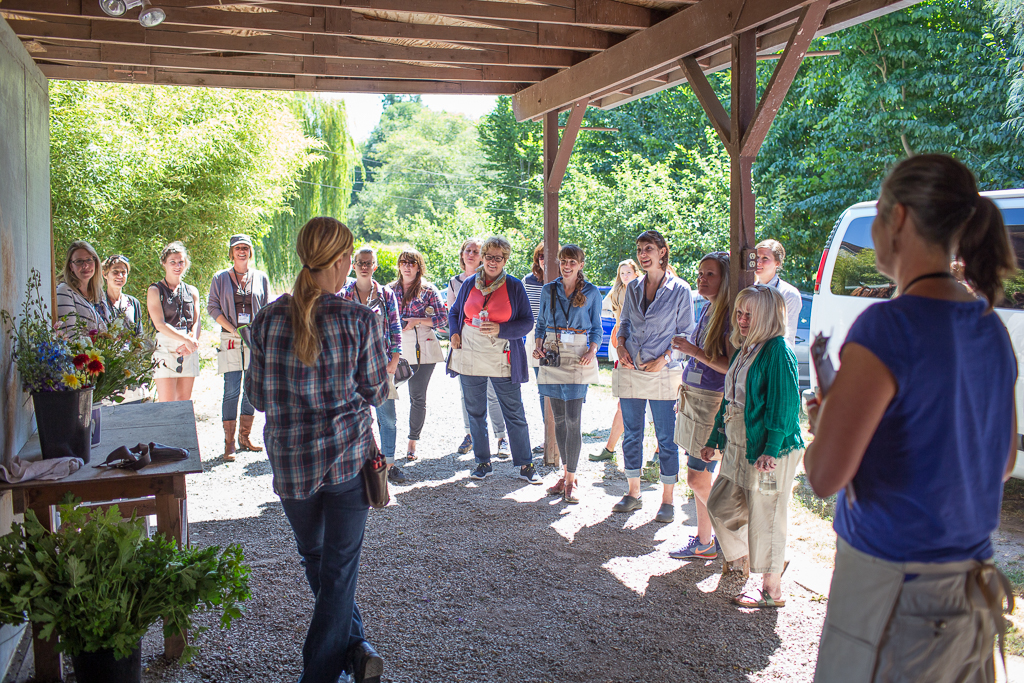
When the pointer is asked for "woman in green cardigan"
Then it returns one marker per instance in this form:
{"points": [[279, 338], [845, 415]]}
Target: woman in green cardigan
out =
{"points": [[757, 430]]}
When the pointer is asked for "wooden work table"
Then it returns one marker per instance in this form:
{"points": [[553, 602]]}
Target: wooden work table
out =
{"points": [[157, 489]]}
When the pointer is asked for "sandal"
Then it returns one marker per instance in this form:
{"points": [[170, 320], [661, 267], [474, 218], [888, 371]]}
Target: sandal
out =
{"points": [[410, 455], [557, 489], [765, 601]]}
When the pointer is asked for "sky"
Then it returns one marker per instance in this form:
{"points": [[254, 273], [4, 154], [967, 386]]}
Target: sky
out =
{"points": [[364, 109]]}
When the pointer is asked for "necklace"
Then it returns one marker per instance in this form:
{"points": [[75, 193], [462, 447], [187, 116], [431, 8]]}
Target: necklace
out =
{"points": [[359, 294], [928, 276]]}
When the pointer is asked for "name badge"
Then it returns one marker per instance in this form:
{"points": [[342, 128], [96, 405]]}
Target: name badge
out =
{"points": [[566, 337], [693, 377], [244, 318], [475, 322]]}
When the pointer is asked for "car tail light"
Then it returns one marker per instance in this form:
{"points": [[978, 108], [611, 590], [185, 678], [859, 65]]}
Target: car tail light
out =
{"points": [[821, 270]]}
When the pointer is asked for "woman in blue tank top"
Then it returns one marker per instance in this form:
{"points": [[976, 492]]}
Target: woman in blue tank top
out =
{"points": [[917, 434]]}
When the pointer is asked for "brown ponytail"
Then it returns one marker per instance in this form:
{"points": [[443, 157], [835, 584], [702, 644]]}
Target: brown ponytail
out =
{"points": [[571, 251], [321, 242], [943, 196]]}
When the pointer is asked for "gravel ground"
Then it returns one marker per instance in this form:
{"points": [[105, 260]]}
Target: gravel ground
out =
{"points": [[495, 581]]}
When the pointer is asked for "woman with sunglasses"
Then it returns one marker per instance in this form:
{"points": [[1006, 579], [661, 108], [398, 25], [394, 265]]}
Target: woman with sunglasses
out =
{"points": [[236, 296], [757, 430], [421, 310], [318, 365], [173, 309], [658, 307], [568, 335], [488, 321], [383, 302], [469, 261], [700, 394], [80, 299], [123, 307]]}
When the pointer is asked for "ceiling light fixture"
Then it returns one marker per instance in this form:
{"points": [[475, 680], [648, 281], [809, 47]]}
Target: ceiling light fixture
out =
{"points": [[113, 8], [151, 16]]}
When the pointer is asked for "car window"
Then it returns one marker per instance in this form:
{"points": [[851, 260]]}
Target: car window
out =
{"points": [[855, 273], [1014, 287], [805, 314]]}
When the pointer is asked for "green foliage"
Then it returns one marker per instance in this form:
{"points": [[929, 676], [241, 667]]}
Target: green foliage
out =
{"points": [[1010, 21], [513, 165], [323, 189], [134, 167], [99, 583]]}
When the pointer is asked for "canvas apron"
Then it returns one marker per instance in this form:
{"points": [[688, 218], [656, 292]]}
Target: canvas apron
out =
{"points": [[430, 347], [697, 409], [231, 357], [480, 355], [571, 346], [653, 386], [531, 344], [166, 355], [890, 621]]}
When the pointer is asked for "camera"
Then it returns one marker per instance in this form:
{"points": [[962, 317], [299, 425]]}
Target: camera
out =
{"points": [[551, 358]]}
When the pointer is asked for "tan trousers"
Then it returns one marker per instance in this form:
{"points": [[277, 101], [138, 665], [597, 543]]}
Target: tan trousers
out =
{"points": [[747, 522], [937, 626]]}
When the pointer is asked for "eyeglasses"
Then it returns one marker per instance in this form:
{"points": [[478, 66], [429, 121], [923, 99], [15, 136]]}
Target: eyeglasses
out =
{"points": [[181, 363], [364, 264], [119, 257], [407, 263], [494, 258], [79, 262]]}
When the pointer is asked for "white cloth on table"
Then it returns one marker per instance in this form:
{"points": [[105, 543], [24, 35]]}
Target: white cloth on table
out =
{"points": [[46, 470]]}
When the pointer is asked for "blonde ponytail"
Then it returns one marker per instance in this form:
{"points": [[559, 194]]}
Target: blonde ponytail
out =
{"points": [[321, 242]]}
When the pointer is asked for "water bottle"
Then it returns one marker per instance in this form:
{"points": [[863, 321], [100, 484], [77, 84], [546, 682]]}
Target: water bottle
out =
{"points": [[766, 482]]}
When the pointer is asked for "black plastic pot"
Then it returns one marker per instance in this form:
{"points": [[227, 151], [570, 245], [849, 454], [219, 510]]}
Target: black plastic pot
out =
{"points": [[64, 419], [102, 667]]}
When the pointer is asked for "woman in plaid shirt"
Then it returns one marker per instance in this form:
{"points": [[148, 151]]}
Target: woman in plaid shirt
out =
{"points": [[318, 364]]}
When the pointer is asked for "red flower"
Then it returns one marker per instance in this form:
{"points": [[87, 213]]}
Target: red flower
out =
{"points": [[80, 360], [95, 367], [93, 333]]}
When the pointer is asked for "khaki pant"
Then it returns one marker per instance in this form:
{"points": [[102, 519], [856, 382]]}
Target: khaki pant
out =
{"points": [[746, 521], [938, 625]]}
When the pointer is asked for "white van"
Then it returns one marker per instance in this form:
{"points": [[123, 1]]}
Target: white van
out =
{"points": [[847, 283]]}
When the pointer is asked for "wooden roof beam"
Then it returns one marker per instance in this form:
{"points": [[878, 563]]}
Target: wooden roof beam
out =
{"points": [[307, 83], [333, 21], [105, 32], [645, 52]]}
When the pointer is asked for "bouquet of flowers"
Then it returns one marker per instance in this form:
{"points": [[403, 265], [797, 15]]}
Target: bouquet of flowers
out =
{"points": [[110, 362]]}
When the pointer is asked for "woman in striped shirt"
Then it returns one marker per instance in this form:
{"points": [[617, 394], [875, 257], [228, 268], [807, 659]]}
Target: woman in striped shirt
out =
{"points": [[80, 296]]}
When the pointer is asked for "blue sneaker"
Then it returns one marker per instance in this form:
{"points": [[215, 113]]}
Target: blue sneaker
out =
{"points": [[482, 471], [695, 550]]}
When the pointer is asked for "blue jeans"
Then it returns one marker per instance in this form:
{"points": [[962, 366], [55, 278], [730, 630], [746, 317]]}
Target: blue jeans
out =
{"points": [[387, 422], [232, 388], [328, 528], [633, 413], [510, 398]]}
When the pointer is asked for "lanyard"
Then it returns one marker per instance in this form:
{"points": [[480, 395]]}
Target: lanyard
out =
{"points": [[565, 311]]}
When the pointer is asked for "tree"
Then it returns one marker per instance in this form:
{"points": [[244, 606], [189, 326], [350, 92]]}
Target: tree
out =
{"points": [[324, 187], [1010, 20], [513, 165], [134, 167]]}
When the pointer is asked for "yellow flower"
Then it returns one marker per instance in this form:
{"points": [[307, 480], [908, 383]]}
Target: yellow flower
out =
{"points": [[71, 381], [94, 355], [127, 372]]}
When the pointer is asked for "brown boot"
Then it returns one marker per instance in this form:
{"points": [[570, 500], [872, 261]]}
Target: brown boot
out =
{"points": [[244, 427], [229, 440]]}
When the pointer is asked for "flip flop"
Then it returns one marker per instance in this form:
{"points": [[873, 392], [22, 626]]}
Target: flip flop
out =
{"points": [[766, 601]]}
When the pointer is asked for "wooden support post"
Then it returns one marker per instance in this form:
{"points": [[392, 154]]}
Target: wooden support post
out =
{"points": [[169, 523], [746, 128], [49, 666], [556, 161]]}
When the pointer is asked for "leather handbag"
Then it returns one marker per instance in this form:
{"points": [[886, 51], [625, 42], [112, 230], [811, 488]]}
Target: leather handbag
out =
{"points": [[375, 479], [403, 373]]}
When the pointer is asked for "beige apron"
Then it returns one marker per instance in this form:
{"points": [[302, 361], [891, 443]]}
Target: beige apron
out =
{"points": [[531, 344], [480, 355], [230, 356], [939, 626], [166, 355], [392, 389], [569, 371], [430, 347], [653, 386], [696, 418]]}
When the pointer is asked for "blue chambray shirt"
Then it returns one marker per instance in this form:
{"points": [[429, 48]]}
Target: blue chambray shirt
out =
{"points": [[318, 428], [584, 319], [650, 335]]}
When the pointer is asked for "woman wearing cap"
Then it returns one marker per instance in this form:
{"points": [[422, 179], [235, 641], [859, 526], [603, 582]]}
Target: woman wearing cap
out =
{"points": [[658, 307], [488, 321], [80, 290], [236, 295], [469, 261], [123, 307], [422, 310], [173, 309]]}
